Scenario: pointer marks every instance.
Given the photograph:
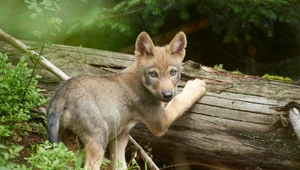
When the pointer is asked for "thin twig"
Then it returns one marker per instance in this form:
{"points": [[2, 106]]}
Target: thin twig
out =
{"points": [[62, 76], [32, 73], [144, 155], [36, 62]]}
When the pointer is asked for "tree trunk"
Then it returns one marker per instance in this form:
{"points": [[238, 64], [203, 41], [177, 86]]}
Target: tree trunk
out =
{"points": [[230, 127]]}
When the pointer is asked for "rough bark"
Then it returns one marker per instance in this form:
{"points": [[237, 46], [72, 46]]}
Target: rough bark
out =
{"points": [[228, 128]]}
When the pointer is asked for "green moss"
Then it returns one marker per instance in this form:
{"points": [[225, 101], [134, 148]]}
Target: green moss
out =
{"points": [[219, 67], [237, 72], [274, 77]]}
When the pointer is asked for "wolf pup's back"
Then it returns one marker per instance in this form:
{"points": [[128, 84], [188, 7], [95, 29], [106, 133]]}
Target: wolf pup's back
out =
{"points": [[74, 107]]}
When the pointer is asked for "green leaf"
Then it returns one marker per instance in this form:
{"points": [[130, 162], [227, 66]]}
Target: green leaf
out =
{"points": [[33, 5], [38, 9], [156, 11], [37, 33], [184, 15], [132, 3], [18, 149], [47, 3]]}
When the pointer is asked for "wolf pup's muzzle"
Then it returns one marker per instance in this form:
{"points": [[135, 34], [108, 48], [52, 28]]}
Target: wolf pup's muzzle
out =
{"points": [[167, 96]]}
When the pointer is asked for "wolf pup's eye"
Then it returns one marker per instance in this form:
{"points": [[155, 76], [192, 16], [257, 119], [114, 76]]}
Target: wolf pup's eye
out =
{"points": [[153, 74], [173, 72]]}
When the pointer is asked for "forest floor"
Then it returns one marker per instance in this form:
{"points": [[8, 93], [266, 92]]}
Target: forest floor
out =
{"points": [[28, 139]]}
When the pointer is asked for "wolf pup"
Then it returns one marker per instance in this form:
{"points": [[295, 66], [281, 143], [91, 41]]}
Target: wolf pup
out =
{"points": [[101, 111]]}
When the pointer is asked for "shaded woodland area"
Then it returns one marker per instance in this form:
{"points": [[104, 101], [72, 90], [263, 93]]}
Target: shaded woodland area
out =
{"points": [[254, 37], [234, 126]]}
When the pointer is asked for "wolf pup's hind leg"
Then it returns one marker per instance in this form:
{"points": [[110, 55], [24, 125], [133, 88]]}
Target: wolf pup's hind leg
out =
{"points": [[117, 148], [94, 155]]}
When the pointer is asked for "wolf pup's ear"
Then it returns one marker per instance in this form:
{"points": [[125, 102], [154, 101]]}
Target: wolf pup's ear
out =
{"points": [[178, 44], [143, 45]]}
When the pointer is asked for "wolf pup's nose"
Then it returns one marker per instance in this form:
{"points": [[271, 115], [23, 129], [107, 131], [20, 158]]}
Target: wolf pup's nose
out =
{"points": [[167, 95]]}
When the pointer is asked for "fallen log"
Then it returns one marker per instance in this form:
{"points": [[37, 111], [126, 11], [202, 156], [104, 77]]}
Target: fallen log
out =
{"points": [[231, 127]]}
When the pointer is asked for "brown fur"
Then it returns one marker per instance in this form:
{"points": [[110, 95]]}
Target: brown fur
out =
{"points": [[101, 111]]}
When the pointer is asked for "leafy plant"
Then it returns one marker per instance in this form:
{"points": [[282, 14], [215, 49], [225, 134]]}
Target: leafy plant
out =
{"points": [[133, 165], [46, 14], [47, 156], [54, 156], [18, 94], [7, 154]]}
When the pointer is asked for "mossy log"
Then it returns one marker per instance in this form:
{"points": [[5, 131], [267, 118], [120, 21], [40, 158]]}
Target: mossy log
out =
{"points": [[233, 126]]}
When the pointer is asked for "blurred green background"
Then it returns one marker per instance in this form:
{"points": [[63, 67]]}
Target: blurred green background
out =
{"points": [[252, 36]]}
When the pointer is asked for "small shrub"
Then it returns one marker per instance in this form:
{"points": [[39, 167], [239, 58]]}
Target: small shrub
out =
{"points": [[18, 94], [54, 156]]}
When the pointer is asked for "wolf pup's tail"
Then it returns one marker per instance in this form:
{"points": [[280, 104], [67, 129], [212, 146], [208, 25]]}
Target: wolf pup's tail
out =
{"points": [[52, 126]]}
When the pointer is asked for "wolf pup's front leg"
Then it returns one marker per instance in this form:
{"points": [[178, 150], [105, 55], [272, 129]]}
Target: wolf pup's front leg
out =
{"points": [[192, 92]]}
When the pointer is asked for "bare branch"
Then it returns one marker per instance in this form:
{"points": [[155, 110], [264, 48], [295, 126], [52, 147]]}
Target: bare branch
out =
{"points": [[34, 55]]}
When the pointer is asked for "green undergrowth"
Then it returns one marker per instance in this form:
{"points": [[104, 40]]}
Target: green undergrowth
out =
{"points": [[44, 156], [19, 96]]}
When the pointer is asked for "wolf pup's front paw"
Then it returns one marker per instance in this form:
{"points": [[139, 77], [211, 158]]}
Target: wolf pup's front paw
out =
{"points": [[194, 90]]}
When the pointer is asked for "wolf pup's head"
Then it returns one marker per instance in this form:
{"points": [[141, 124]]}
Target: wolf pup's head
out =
{"points": [[159, 67]]}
